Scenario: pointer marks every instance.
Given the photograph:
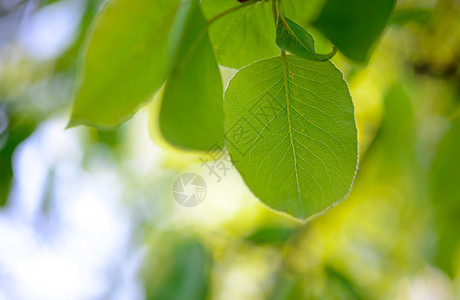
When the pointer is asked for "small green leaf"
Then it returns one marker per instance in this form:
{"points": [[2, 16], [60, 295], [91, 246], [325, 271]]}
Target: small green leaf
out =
{"points": [[124, 61], [295, 39], [354, 26], [290, 132], [191, 113]]}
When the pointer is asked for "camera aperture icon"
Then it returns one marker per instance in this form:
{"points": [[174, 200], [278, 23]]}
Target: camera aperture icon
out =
{"points": [[189, 189]]}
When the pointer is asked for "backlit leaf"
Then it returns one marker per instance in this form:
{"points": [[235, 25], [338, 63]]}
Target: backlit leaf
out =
{"points": [[191, 113], [124, 63], [291, 133]]}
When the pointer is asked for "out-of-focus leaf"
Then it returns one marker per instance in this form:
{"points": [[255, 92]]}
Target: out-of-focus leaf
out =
{"points": [[247, 34], [398, 125], [69, 58], [108, 137], [448, 245], [445, 171], [287, 288], [332, 285], [394, 143], [48, 2], [405, 15], [271, 235], [124, 63], [290, 132], [295, 39], [184, 274], [354, 26], [340, 286], [191, 113], [16, 132], [445, 191]]}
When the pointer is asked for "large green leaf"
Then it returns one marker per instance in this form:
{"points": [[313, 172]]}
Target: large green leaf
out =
{"points": [[354, 26], [295, 39], [248, 34], [290, 132], [124, 63], [191, 113]]}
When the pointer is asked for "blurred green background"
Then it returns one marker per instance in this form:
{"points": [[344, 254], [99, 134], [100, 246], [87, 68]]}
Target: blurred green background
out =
{"points": [[88, 214]]}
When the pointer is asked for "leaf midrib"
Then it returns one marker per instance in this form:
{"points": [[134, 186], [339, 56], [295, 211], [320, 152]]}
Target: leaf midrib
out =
{"points": [[284, 64]]}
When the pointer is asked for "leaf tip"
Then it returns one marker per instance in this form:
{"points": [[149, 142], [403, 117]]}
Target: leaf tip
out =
{"points": [[72, 123]]}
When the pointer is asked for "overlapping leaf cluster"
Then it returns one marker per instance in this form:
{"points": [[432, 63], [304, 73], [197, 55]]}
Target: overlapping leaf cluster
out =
{"points": [[301, 157]]}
